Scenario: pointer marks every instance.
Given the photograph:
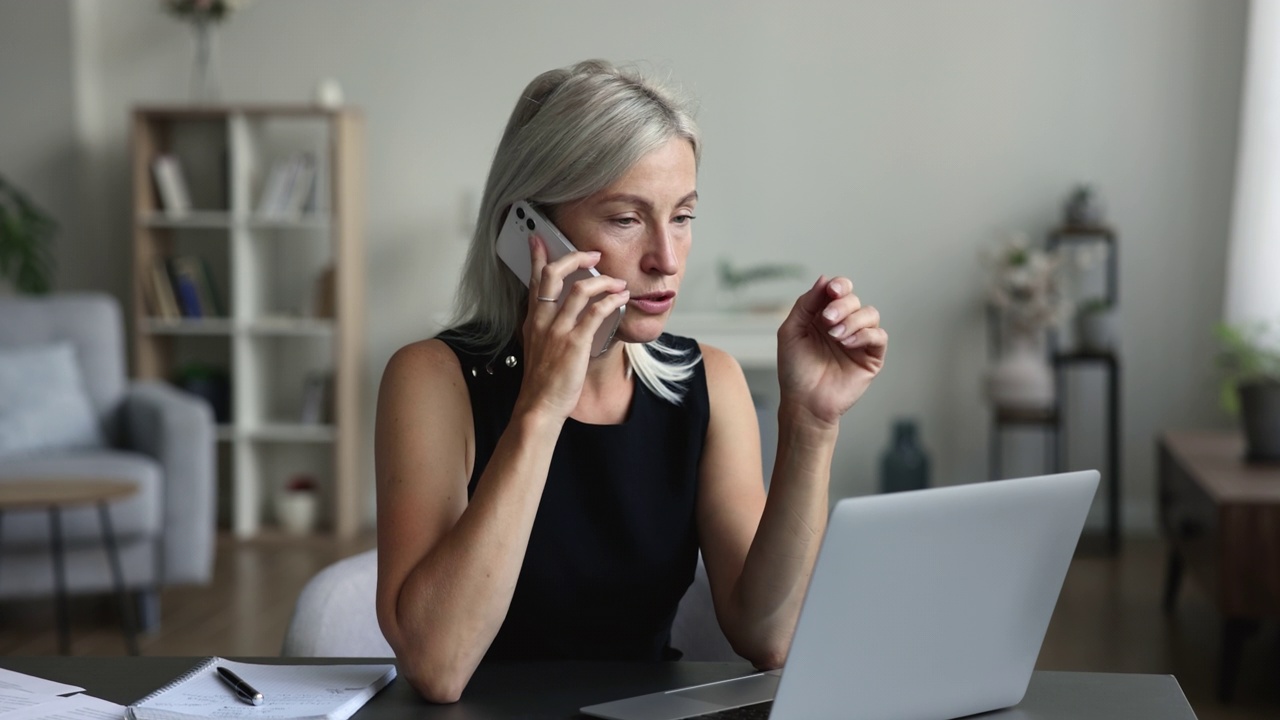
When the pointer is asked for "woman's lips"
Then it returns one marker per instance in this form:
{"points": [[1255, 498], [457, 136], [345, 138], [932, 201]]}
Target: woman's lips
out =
{"points": [[653, 303]]}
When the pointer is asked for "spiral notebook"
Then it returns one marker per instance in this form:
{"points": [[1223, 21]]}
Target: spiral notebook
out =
{"points": [[290, 692]]}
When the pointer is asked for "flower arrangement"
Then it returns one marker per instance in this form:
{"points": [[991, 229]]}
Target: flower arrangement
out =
{"points": [[201, 10], [1024, 284]]}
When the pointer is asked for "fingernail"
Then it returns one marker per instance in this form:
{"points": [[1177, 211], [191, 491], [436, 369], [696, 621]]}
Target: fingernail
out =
{"points": [[835, 286], [853, 340], [829, 313], [595, 254], [836, 331]]}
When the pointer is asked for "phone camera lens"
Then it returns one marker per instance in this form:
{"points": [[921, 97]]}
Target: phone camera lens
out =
{"points": [[520, 213], [530, 223]]}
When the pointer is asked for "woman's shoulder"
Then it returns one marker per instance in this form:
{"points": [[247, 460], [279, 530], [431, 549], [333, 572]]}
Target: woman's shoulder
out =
{"points": [[719, 365], [427, 358]]}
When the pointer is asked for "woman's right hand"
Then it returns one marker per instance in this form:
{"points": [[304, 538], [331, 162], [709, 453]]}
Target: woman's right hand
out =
{"points": [[558, 335]]}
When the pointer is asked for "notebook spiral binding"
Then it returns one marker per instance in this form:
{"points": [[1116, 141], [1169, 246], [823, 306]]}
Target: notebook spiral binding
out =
{"points": [[199, 668]]}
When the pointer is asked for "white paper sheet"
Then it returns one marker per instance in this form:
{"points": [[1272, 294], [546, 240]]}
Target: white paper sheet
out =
{"points": [[76, 707], [16, 680], [16, 699]]}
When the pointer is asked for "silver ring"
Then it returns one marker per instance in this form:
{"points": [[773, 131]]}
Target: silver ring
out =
{"points": [[547, 299]]}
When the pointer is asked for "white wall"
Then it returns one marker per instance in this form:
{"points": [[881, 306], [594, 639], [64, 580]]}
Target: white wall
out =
{"points": [[887, 140]]}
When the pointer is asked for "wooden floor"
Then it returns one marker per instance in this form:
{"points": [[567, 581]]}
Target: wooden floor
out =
{"points": [[1108, 619]]}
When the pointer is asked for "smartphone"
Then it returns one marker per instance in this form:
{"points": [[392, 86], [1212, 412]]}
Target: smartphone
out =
{"points": [[523, 221]]}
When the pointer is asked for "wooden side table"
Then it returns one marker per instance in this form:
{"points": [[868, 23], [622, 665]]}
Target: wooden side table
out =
{"points": [[1221, 517], [54, 496]]}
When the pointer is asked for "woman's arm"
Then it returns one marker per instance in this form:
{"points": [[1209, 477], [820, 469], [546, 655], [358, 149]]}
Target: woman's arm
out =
{"points": [[759, 554], [447, 567]]}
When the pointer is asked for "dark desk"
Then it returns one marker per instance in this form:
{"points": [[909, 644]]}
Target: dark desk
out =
{"points": [[557, 690]]}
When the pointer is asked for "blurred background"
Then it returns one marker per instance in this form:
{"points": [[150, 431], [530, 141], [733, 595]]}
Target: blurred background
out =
{"points": [[898, 142]]}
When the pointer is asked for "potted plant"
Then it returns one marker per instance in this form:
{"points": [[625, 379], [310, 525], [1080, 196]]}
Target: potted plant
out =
{"points": [[298, 505], [1250, 361], [1096, 325], [26, 242]]}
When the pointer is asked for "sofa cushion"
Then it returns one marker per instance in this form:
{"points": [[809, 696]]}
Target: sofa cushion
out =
{"points": [[44, 404], [136, 516]]}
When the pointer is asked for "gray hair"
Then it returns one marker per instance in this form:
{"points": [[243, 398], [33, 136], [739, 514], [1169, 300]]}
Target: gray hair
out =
{"points": [[573, 132]]}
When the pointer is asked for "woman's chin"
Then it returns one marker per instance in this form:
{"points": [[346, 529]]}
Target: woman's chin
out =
{"points": [[640, 330]]}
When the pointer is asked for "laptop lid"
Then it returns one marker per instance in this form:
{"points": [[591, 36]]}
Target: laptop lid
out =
{"points": [[928, 604], [933, 603]]}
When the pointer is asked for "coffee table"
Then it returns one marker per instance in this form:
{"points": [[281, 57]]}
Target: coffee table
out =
{"points": [[54, 495]]}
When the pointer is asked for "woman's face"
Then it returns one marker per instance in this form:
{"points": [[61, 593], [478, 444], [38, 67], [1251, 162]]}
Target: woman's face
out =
{"points": [[641, 225]]}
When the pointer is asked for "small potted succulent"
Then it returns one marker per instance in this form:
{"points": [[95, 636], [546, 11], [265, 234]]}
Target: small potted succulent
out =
{"points": [[1250, 362], [1096, 325], [298, 505]]}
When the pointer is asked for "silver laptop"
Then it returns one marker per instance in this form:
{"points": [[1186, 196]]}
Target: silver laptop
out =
{"points": [[930, 604]]}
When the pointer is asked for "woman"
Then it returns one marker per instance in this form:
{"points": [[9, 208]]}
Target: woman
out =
{"points": [[535, 502]]}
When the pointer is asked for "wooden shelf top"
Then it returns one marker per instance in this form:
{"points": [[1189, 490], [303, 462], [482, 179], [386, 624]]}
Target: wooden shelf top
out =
{"points": [[61, 492], [176, 111], [1024, 416]]}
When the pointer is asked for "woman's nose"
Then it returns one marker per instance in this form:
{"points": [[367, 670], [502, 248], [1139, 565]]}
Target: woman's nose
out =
{"points": [[660, 256]]}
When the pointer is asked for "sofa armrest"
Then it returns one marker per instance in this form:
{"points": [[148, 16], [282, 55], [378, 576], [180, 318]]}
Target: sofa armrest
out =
{"points": [[177, 430]]}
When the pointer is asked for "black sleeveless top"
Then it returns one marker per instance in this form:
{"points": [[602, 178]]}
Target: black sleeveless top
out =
{"points": [[614, 543]]}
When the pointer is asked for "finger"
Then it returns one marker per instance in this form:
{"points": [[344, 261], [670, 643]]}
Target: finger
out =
{"points": [[580, 293], [862, 317], [599, 312], [808, 305], [537, 261], [839, 287], [551, 278], [874, 340]]}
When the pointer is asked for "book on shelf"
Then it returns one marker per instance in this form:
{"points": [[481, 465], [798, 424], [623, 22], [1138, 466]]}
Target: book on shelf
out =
{"points": [[195, 270], [164, 304], [171, 186], [317, 399], [183, 287], [289, 188]]}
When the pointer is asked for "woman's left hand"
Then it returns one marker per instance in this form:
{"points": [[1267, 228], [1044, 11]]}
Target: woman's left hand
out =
{"points": [[830, 348]]}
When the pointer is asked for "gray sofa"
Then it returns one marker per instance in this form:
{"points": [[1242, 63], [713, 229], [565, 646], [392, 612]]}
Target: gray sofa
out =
{"points": [[155, 435]]}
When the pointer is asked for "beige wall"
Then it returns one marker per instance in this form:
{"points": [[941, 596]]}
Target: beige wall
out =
{"points": [[888, 140]]}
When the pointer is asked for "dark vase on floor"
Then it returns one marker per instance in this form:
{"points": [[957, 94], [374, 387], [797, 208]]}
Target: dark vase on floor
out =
{"points": [[904, 465]]}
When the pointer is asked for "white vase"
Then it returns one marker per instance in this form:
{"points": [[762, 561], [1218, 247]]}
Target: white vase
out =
{"points": [[206, 86], [296, 511], [1022, 379]]}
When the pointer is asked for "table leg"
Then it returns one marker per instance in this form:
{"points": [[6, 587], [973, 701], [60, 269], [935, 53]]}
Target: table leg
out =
{"points": [[1235, 631], [993, 451], [117, 579], [60, 582], [1113, 458], [1172, 580]]}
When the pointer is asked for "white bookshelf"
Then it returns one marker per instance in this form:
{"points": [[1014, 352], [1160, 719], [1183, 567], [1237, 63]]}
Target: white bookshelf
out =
{"points": [[265, 270]]}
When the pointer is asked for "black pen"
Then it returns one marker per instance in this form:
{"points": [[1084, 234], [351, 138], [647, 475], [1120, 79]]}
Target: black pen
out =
{"points": [[242, 688]]}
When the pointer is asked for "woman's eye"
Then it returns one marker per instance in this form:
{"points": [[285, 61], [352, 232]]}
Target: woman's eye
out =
{"points": [[684, 219], [625, 221]]}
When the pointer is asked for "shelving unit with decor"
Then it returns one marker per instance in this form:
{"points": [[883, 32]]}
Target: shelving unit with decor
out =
{"points": [[251, 289], [1053, 421]]}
